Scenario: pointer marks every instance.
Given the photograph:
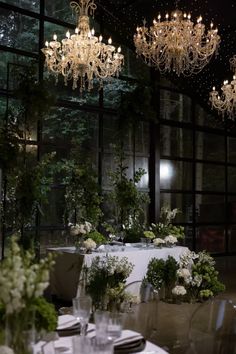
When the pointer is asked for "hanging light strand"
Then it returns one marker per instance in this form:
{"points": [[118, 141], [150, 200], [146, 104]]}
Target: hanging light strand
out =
{"points": [[176, 43], [82, 56], [225, 102]]}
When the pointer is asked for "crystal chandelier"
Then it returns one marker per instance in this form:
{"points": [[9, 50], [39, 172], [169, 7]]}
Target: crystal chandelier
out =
{"points": [[176, 43], [226, 102], [82, 57]]}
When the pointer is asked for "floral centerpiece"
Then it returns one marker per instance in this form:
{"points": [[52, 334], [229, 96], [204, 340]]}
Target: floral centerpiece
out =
{"points": [[106, 279], [197, 277], [22, 306], [193, 278], [165, 227], [86, 236]]}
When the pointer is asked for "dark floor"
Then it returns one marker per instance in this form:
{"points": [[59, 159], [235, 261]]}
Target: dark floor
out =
{"points": [[168, 325]]}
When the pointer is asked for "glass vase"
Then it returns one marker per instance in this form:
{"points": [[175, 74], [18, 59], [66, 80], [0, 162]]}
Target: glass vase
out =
{"points": [[20, 332]]}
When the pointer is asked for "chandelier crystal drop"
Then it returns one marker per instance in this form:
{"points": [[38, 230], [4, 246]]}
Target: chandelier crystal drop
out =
{"points": [[176, 43], [82, 57], [225, 102]]}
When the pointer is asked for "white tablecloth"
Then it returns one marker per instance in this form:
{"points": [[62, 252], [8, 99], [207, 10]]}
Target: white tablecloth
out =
{"points": [[66, 275], [64, 344]]}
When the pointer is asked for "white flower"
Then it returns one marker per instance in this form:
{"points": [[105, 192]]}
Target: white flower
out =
{"points": [[179, 290], [89, 244], [5, 350], [170, 239], [183, 273], [158, 241]]}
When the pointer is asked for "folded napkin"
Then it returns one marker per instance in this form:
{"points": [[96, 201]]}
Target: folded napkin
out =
{"points": [[68, 325], [130, 342]]}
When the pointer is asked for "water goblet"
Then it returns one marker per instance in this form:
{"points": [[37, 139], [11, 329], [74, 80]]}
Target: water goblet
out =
{"points": [[81, 310]]}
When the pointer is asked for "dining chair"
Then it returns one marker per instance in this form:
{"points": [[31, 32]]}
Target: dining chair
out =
{"points": [[213, 328]]}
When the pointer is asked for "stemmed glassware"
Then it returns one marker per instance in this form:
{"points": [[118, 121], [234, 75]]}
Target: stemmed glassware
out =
{"points": [[81, 310]]}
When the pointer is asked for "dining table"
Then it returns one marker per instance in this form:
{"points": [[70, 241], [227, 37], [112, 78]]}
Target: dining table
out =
{"points": [[67, 272]]}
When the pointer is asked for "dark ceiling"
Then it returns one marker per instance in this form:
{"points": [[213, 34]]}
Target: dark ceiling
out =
{"points": [[123, 16]]}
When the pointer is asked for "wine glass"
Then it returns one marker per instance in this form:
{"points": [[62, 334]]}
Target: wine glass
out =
{"points": [[81, 310]]}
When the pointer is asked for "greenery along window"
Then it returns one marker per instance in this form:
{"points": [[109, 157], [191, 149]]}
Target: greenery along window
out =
{"points": [[32, 5], [19, 31], [194, 159]]}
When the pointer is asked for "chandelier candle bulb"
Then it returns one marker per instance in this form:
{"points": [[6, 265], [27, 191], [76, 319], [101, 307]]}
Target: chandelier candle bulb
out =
{"points": [[82, 57]]}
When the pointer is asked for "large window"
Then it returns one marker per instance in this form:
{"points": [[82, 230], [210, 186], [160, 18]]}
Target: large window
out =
{"points": [[190, 164]]}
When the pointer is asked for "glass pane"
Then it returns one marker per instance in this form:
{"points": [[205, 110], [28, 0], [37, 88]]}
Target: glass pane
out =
{"points": [[176, 142], [61, 10], [184, 202], [134, 67], [175, 106], [3, 105], [175, 175], [142, 162], [210, 147], [231, 209], [110, 132], [210, 208], [206, 119], [65, 124], [53, 238], [232, 179], [210, 238], [113, 89], [231, 149], [19, 31], [10, 61], [232, 239], [108, 166], [142, 142], [188, 241], [210, 177], [32, 5], [53, 211]]}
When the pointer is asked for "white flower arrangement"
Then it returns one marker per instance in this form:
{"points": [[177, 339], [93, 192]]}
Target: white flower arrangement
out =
{"points": [[80, 229], [21, 281], [5, 350], [89, 244], [179, 290], [170, 239], [158, 241]]}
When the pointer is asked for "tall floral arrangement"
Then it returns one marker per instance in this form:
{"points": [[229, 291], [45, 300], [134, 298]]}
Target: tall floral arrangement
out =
{"points": [[197, 278], [106, 279], [165, 229], [22, 284]]}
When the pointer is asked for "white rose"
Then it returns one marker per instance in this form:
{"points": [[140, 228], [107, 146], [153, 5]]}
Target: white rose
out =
{"points": [[179, 290], [170, 239], [158, 241], [89, 244]]}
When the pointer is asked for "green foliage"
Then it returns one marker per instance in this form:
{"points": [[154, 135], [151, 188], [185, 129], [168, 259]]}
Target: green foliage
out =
{"points": [[81, 191], [161, 272], [45, 315], [165, 227], [97, 237], [128, 201], [156, 272], [27, 188], [35, 98], [9, 148], [106, 279]]}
